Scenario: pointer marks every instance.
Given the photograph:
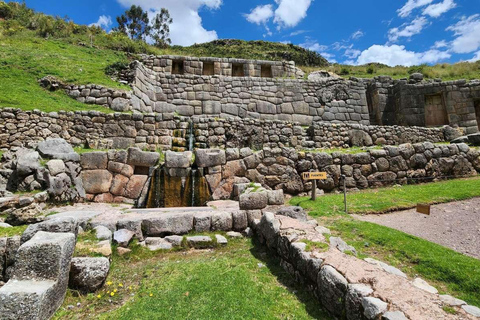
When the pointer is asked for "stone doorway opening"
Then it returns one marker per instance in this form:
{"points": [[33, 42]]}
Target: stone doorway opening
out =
{"points": [[208, 69], [435, 111], [177, 67], [477, 112], [237, 70]]}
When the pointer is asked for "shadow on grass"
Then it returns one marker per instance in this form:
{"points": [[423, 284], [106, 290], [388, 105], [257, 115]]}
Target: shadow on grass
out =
{"points": [[272, 262]]}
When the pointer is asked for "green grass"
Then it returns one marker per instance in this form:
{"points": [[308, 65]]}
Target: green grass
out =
{"points": [[225, 283], [25, 59], [13, 231], [392, 198], [451, 272], [448, 270], [351, 150]]}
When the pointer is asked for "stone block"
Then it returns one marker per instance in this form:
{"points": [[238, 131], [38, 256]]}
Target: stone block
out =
{"points": [[178, 159], [253, 200], [135, 186], [222, 221], [168, 224], [96, 181], [87, 275], [94, 160], [137, 157], [332, 287], [205, 158]]}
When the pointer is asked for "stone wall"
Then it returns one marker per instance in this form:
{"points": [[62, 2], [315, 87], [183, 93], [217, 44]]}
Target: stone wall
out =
{"points": [[405, 102], [333, 99], [152, 131]]}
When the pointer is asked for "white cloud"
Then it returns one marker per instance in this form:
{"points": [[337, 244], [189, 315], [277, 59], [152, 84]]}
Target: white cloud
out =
{"points": [[298, 32], [407, 30], [397, 55], [352, 53], [476, 57], [412, 5], [440, 44], [187, 27], [103, 21], [312, 45], [357, 34], [290, 12], [437, 9], [467, 31], [260, 14]]}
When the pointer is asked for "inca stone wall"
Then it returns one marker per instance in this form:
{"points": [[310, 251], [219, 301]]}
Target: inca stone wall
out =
{"points": [[188, 94], [409, 103], [152, 131]]}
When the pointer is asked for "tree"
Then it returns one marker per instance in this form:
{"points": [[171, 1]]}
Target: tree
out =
{"points": [[161, 29], [134, 23]]}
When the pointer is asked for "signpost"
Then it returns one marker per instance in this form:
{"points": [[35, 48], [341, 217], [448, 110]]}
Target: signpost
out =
{"points": [[314, 176]]}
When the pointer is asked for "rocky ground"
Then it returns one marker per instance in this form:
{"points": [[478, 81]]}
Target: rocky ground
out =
{"points": [[455, 225]]}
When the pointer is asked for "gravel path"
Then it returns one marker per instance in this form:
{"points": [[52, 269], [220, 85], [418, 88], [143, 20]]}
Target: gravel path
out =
{"points": [[455, 225]]}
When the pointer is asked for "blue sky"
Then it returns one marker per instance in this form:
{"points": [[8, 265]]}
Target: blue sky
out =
{"points": [[394, 32]]}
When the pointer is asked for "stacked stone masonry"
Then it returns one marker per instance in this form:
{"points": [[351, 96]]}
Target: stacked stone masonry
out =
{"points": [[152, 131]]}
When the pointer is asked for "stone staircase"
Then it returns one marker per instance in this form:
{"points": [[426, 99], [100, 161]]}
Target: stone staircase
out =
{"points": [[39, 282]]}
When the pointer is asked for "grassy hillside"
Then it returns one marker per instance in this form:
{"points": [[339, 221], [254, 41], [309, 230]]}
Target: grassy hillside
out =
{"points": [[257, 50]]}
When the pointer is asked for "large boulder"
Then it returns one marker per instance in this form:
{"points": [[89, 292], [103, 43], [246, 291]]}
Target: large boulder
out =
{"points": [[123, 237], [96, 181], [26, 215], [28, 161], [88, 274], [168, 224], [359, 138], [120, 104], [57, 148], [205, 158]]}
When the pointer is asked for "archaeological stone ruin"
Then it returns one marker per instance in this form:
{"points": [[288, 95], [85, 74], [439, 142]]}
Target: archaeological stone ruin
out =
{"points": [[215, 145]]}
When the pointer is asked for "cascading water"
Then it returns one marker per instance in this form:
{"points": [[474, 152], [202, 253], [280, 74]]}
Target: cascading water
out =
{"points": [[179, 187]]}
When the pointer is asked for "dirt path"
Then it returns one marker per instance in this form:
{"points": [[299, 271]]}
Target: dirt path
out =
{"points": [[455, 225]]}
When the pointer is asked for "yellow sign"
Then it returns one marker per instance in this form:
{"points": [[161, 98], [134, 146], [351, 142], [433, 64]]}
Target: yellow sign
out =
{"points": [[423, 208], [314, 175]]}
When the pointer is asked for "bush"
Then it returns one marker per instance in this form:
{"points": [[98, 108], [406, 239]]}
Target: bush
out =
{"points": [[344, 71], [370, 70]]}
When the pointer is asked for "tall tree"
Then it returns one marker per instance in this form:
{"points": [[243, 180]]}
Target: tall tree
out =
{"points": [[134, 23], [161, 29]]}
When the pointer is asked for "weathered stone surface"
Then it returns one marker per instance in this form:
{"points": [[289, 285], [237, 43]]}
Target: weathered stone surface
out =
{"points": [[134, 225], [394, 315], [118, 185], [120, 104], [386, 267], [359, 138], [235, 168], [332, 287], [88, 274], [55, 225], [55, 148], [240, 221], [353, 300], [168, 224], [209, 157], [269, 228], [373, 307], [474, 311], [341, 245], [155, 243], [135, 185], [26, 215], [178, 159], [234, 234], [103, 233], [422, 284], [137, 157], [275, 197], [28, 161], [293, 212], [202, 222], [221, 240], [199, 241], [176, 241], [96, 181], [40, 278], [253, 200], [123, 237], [55, 167], [222, 221], [451, 301], [94, 160]]}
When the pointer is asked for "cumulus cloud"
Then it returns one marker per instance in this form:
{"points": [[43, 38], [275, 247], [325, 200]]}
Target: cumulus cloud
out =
{"points": [[397, 55], [290, 12], [260, 14], [437, 9], [412, 5], [187, 27], [352, 53], [440, 44], [103, 21], [467, 32], [407, 30]]}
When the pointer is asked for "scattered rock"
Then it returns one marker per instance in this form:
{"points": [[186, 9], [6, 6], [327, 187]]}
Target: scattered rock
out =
{"points": [[221, 239], [253, 200], [451, 301], [474, 311], [199, 241], [156, 243], [56, 225], [394, 315], [422, 284], [88, 274], [176, 241], [122, 251], [386, 267], [26, 215], [103, 247], [233, 234], [103, 233], [341, 245], [293, 212], [323, 230], [372, 307], [5, 225], [123, 237]]}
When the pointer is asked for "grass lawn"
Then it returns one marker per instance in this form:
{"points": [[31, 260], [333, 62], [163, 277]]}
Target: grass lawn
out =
{"points": [[13, 231], [224, 283], [392, 198], [25, 59], [450, 271]]}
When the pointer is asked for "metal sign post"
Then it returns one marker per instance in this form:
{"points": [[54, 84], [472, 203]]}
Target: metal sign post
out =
{"points": [[314, 176], [345, 192]]}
